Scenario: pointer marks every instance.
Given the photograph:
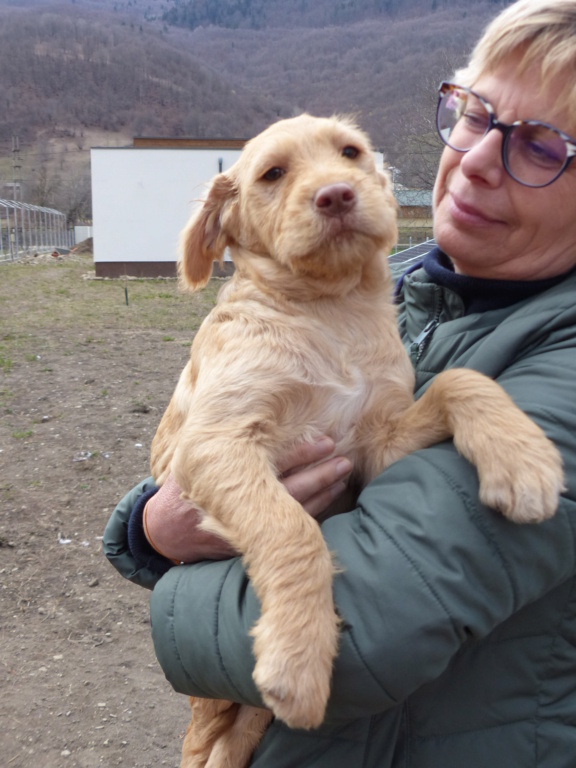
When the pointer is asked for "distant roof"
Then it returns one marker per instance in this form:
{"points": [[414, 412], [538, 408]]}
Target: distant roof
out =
{"points": [[421, 197], [159, 142], [410, 255], [20, 206]]}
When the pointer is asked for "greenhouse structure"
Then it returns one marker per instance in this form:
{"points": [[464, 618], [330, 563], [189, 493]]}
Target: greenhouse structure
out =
{"points": [[26, 228]]}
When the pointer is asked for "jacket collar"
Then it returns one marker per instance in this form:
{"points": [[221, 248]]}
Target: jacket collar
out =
{"points": [[475, 294]]}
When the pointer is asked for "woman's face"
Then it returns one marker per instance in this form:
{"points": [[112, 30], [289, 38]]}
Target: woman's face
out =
{"points": [[486, 222]]}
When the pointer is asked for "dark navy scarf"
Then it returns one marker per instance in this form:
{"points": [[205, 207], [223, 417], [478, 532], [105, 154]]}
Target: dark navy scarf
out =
{"points": [[478, 294]]}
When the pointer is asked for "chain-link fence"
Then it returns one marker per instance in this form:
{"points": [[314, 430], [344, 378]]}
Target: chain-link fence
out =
{"points": [[26, 228]]}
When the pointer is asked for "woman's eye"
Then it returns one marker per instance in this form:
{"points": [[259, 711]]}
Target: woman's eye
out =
{"points": [[350, 152], [475, 121], [273, 174]]}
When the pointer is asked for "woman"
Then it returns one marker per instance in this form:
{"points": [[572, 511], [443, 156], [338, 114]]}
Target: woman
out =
{"points": [[458, 644]]}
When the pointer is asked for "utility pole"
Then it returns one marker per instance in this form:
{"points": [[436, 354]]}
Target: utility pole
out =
{"points": [[16, 167]]}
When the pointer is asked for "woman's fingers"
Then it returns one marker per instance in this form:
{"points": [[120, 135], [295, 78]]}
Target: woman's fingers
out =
{"points": [[318, 504], [304, 454], [316, 487]]}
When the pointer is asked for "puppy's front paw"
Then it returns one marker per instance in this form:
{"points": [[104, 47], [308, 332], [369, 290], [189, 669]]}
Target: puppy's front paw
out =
{"points": [[525, 484], [294, 669], [297, 697]]}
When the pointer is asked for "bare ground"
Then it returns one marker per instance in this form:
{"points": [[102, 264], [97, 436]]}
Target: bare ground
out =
{"points": [[84, 378]]}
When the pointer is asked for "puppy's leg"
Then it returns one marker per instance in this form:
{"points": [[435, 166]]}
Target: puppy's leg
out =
{"points": [[520, 470], [291, 570], [288, 563], [235, 746], [166, 437], [210, 719], [295, 640]]}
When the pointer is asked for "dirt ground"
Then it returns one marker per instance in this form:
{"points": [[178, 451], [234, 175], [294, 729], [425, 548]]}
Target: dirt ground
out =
{"points": [[86, 369]]}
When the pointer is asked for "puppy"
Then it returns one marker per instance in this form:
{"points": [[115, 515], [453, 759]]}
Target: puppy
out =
{"points": [[303, 342]]}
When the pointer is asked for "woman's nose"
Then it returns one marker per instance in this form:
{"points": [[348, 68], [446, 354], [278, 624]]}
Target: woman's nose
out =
{"points": [[484, 160]]}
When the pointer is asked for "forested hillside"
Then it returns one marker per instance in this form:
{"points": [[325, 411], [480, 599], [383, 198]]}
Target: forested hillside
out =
{"points": [[65, 69], [85, 72], [69, 80], [266, 14]]}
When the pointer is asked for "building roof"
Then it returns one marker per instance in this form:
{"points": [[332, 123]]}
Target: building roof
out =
{"points": [[416, 197], [159, 142]]}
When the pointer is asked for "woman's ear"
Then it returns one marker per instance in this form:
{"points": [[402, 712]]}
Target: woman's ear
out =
{"points": [[203, 241]]}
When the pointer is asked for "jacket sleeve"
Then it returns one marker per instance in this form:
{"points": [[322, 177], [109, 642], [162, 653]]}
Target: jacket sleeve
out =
{"points": [[423, 569], [125, 544]]}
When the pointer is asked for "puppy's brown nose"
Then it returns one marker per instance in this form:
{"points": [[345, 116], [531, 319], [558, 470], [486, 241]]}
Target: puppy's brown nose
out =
{"points": [[335, 199]]}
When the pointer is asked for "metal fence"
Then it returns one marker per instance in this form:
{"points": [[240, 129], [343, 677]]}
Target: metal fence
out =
{"points": [[26, 228]]}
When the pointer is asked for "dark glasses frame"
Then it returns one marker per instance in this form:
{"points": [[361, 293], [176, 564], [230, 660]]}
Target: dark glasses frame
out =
{"points": [[505, 129]]}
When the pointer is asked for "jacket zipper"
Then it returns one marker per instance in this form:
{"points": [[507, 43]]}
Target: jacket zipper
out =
{"points": [[421, 342]]}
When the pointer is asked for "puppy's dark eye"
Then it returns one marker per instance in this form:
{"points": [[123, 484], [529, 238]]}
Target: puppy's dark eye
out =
{"points": [[350, 152], [273, 174]]}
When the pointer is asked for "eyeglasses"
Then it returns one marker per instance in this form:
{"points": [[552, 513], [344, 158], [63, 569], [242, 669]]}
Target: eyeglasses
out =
{"points": [[533, 153]]}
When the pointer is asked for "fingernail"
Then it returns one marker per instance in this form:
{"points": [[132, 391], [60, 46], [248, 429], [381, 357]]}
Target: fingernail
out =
{"points": [[343, 467], [324, 443]]}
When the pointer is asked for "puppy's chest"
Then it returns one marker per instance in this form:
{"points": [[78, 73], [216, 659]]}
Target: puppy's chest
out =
{"points": [[324, 369], [341, 376], [341, 402]]}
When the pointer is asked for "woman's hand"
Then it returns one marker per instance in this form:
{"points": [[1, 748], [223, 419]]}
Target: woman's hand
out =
{"points": [[172, 525], [315, 487]]}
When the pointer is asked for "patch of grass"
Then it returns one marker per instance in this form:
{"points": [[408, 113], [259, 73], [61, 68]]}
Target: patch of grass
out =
{"points": [[5, 395], [22, 435], [5, 362], [31, 300], [6, 352]]}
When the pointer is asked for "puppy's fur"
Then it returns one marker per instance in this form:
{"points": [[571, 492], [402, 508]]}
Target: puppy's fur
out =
{"points": [[303, 342]]}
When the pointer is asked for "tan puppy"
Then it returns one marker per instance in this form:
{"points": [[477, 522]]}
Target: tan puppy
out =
{"points": [[303, 342]]}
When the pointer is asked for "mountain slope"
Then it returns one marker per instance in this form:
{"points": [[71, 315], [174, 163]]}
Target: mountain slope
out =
{"points": [[103, 71], [69, 76], [86, 72]]}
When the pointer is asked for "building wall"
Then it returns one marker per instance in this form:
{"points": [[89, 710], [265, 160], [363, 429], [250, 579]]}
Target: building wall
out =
{"points": [[141, 200], [82, 233], [415, 224]]}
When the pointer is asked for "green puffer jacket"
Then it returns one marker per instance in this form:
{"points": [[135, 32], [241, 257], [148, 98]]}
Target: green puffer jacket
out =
{"points": [[458, 648]]}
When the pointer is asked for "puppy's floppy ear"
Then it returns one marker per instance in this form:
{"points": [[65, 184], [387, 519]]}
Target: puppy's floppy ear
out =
{"points": [[204, 239], [386, 181]]}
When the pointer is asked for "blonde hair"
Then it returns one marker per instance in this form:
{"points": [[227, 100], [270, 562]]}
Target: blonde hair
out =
{"points": [[540, 33]]}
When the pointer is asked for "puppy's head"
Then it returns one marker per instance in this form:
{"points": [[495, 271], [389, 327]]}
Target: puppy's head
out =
{"points": [[305, 196]]}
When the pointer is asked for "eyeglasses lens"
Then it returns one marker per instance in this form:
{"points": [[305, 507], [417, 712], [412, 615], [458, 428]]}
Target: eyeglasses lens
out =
{"points": [[535, 154], [462, 119]]}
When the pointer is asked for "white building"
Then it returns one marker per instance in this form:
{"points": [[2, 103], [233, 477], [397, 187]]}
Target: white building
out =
{"points": [[142, 197]]}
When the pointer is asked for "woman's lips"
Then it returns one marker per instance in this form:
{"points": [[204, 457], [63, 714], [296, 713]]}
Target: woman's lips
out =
{"points": [[469, 214]]}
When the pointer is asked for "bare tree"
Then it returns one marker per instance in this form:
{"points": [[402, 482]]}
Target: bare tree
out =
{"points": [[44, 187], [416, 147]]}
